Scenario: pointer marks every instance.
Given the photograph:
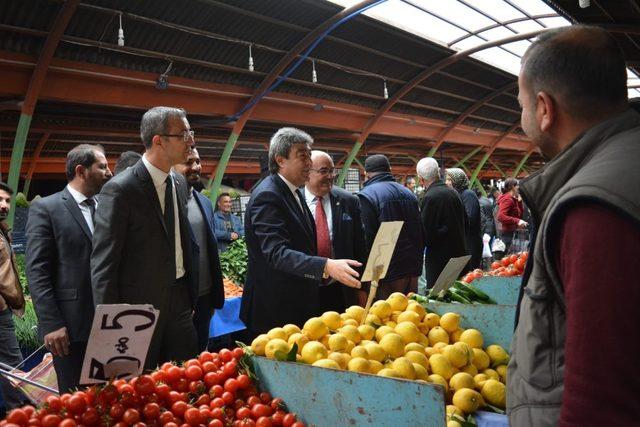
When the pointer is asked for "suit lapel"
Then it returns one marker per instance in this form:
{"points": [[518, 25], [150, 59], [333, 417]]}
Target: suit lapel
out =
{"points": [[71, 204], [294, 207], [336, 213], [149, 189]]}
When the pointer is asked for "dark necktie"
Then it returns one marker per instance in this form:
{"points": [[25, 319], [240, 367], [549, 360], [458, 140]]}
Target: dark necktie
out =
{"points": [[169, 219], [322, 231], [91, 203], [302, 205]]}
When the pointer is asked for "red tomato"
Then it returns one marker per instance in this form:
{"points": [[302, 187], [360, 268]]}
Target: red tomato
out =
{"points": [[264, 422], [288, 420], [76, 404], [513, 258], [495, 265], [230, 369], [253, 400], [172, 374], [228, 397], [205, 356], [203, 399], [51, 420], [243, 381], [192, 417], [276, 404], [166, 417], [217, 413], [17, 416], [265, 396], [211, 378], [171, 424], [215, 423], [238, 352], [158, 376], [90, 416], [68, 422], [247, 422], [261, 410], [121, 424], [277, 418], [131, 416], [208, 366], [182, 385], [231, 385], [216, 390], [151, 411], [116, 411], [125, 388], [218, 402], [298, 424], [243, 413], [178, 408], [145, 385], [197, 387], [54, 403], [225, 355]]}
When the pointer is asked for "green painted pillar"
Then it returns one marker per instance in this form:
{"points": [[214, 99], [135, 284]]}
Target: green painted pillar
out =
{"points": [[521, 164], [463, 160], [222, 165], [17, 154], [347, 163], [476, 172], [25, 189], [355, 159], [504, 175], [432, 151]]}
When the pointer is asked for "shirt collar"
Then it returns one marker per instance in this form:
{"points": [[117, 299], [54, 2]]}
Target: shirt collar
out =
{"points": [[157, 175], [310, 197], [292, 187], [77, 196]]}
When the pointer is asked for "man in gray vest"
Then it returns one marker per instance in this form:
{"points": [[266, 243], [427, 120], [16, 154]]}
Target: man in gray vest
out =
{"points": [[577, 322]]}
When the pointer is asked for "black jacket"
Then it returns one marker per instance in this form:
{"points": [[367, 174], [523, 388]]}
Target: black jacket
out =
{"points": [[474, 234], [444, 225]]}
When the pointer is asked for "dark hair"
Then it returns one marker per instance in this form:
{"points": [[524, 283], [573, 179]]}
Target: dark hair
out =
{"points": [[281, 143], [83, 154], [581, 66], [509, 183], [221, 195], [156, 122], [4, 186], [126, 160]]}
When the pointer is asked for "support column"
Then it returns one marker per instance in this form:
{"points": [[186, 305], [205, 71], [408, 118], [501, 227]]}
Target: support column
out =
{"points": [[347, 163], [476, 172], [222, 165], [522, 163], [504, 175], [32, 166], [16, 158], [463, 160]]}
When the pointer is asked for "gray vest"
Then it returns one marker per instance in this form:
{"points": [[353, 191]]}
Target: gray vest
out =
{"points": [[601, 166]]}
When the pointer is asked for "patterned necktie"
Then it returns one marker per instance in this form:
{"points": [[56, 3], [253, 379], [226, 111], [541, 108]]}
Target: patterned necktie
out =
{"points": [[322, 231]]}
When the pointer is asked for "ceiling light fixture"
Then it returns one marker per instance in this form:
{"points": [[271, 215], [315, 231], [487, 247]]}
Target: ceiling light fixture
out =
{"points": [[386, 92], [251, 68], [120, 33], [584, 3], [314, 75], [162, 82]]}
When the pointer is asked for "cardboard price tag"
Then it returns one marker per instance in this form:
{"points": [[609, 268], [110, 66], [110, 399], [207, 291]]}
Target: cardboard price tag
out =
{"points": [[119, 342], [382, 250], [450, 274]]}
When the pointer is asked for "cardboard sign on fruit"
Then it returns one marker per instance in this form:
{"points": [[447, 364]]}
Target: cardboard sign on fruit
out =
{"points": [[382, 250], [450, 273]]}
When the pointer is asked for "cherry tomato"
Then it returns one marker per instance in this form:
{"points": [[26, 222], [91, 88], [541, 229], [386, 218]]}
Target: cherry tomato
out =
{"points": [[298, 424], [51, 420], [151, 411], [193, 372], [116, 411], [171, 424], [230, 369], [215, 423], [208, 366], [192, 417], [17, 416], [231, 385], [261, 410], [90, 416], [265, 396], [131, 416], [203, 399], [158, 376], [166, 417], [182, 385], [121, 424], [178, 408], [238, 352], [205, 356], [264, 422], [216, 390], [253, 400], [225, 355], [288, 419], [163, 390], [145, 385], [217, 413], [68, 422], [76, 404], [243, 381], [172, 374], [54, 403], [218, 402], [277, 418]]}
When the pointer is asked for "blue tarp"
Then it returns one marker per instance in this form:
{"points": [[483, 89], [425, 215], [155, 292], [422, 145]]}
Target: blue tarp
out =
{"points": [[227, 319], [490, 419]]}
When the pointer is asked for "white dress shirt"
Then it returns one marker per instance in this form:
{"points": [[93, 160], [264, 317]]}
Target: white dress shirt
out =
{"points": [[84, 209], [293, 189], [326, 204], [158, 176]]}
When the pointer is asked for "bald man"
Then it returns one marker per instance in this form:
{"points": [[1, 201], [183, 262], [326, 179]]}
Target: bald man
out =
{"points": [[339, 231]]}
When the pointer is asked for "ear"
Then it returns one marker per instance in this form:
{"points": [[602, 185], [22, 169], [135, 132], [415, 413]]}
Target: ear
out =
{"points": [[280, 160], [156, 140], [80, 170], [546, 113]]}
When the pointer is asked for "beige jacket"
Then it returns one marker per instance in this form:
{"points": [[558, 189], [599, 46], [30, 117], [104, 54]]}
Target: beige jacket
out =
{"points": [[11, 295]]}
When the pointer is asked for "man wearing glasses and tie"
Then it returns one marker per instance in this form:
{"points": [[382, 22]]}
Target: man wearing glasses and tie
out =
{"points": [[143, 247], [59, 232]]}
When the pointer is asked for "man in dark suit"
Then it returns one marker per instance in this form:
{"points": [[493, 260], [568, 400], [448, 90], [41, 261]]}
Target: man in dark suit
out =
{"points": [[142, 246], [339, 232], [59, 232], [284, 268], [200, 213], [443, 220]]}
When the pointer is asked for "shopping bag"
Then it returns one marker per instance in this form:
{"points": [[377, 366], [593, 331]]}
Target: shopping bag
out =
{"points": [[498, 245], [486, 250]]}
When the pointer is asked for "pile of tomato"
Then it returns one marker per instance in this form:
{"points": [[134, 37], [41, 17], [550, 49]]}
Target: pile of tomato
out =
{"points": [[209, 391], [510, 265]]}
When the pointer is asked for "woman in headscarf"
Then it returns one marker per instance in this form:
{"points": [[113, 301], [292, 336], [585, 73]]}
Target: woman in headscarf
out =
{"points": [[460, 183]]}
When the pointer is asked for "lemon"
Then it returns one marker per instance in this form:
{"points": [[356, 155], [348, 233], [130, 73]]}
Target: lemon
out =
{"points": [[423, 327], [382, 331], [438, 379], [453, 423], [387, 372], [461, 380], [315, 328], [326, 363], [391, 324], [359, 351], [467, 400], [454, 410], [432, 319], [313, 351], [325, 341], [350, 322], [258, 344], [350, 346], [421, 372], [393, 345], [409, 316], [502, 371], [428, 351], [291, 329], [457, 357], [394, 315], [355, 312], [404, 368], [376, 352], [372, 319], [351, 332], [365, 342], [497, 355], [479, 380], [423, 340], [276, 345], [417, 308], [455, 335], [299, 339], [332, 319], [417, 357], [408, 331], [358, 364], [437, 335], [340, 358], [495, 393], [367, 332], [338, 342], [381, 308], [481, 359], [473, 337], [450, 321], [437, 347], [374, 367], [277, 333], [398, 301], [440, 365], [491, 374], [470, 369], [414, 346]]}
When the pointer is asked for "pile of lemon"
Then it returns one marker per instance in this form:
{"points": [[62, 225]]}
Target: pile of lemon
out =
{"points": [[399, 339]]}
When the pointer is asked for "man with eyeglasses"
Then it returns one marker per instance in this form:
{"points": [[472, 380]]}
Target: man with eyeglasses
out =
{"points": [[339, 232], [143, 246]]}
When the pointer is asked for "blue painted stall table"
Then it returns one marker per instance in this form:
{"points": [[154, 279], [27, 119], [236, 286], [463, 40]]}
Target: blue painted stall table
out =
{"points": [[227, 319]]}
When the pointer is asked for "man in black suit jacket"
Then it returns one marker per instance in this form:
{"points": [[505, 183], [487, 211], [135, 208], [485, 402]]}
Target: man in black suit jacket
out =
{"points": [[210, 286], [339, 216], [59, 232], [284, 269], [142, 246], [443, 220]]}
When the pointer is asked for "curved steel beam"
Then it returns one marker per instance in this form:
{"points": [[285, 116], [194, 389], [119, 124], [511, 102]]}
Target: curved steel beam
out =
{"points": [[502, 24], [270, 79], [34, 160]]}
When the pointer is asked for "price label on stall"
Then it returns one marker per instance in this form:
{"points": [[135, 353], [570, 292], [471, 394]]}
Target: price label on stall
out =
{"points": [[119, 342], [382, 250], [450, 273]]}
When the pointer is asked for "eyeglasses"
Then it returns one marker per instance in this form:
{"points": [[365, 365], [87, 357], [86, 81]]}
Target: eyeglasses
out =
{"points": [[186, 135], [325, 171]]}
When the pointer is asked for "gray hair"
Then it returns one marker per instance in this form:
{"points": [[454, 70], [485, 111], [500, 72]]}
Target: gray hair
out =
{"points": [[281, 143], [428, 169], [156, 122]]}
